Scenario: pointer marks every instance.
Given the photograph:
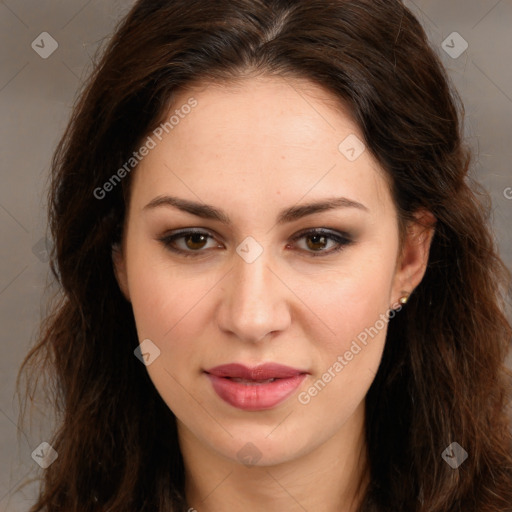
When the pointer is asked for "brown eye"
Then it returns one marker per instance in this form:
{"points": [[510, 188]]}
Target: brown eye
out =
{"points": [[195, 241], [317, 240], [190, 242]]}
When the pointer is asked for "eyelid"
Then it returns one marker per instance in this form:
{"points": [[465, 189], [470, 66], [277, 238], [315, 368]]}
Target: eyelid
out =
{"points": [[341, 238]]}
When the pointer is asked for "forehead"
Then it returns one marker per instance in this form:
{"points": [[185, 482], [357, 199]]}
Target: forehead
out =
{"points": [[261, 137]]}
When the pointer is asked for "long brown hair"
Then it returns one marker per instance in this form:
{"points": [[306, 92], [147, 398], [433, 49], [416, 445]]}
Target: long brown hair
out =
{"points": [[442, 378]]}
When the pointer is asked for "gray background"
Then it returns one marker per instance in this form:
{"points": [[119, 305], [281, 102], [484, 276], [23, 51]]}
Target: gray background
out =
{"points": [[35, 99]]}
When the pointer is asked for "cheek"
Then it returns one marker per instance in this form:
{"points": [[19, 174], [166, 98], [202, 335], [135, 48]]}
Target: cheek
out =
{"points": [[356, 309], [173, 318], [354, 300], [165, 305]]}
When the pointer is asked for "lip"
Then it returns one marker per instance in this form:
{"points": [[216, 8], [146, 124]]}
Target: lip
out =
{"points": [[252, 393]]}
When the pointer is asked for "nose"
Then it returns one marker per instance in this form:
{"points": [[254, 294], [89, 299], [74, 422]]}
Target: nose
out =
{"points": [[255, 300]]}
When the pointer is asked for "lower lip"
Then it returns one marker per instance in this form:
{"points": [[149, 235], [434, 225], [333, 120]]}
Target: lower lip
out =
{"points": [[255, 397]]}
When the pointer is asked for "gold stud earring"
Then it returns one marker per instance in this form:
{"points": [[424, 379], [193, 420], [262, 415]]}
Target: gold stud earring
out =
{"points": [[403, 300]]}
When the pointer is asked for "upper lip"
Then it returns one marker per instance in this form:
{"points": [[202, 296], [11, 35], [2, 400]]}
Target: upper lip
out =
{"points": [[261, 372]]}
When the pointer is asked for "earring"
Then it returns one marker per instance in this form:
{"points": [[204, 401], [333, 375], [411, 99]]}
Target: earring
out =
{"points": [[403, 300]]}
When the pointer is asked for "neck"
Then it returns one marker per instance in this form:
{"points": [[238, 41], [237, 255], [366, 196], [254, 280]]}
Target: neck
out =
{"points": [[331, 477]]}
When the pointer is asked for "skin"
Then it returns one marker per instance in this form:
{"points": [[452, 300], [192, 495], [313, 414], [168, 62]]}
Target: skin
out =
{"points": [[253, 149]]}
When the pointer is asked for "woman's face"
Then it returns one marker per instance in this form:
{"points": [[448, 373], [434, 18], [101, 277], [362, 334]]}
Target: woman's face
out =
{"points": [[256, 286]]}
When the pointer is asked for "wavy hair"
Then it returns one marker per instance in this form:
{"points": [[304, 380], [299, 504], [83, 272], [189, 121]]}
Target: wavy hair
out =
{"points": [[442, 376]]}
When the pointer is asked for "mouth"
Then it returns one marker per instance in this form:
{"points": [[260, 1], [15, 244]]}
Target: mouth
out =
{"points": [[250, 382], [255, 389]]}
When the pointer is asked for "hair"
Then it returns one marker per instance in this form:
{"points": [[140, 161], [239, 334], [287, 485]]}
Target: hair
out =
{"points": [[442, 377]]}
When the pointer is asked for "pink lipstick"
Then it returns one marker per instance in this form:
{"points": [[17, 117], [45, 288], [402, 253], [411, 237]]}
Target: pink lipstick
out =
{"points": [[255, 389]]}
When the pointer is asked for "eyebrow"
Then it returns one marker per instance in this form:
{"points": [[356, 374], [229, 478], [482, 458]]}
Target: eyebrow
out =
{"points": [[291, 214]]}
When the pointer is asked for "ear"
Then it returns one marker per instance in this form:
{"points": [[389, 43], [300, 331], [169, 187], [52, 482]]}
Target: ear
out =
{"points": [[119, 263], [413, 260]]}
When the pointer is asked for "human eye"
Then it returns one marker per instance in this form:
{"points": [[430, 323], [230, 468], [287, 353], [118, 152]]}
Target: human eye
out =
{"points": [[193, 241], [319, 239]]}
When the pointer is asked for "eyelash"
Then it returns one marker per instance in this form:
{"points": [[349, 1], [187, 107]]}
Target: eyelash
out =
{"points": [[343, 240]]}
